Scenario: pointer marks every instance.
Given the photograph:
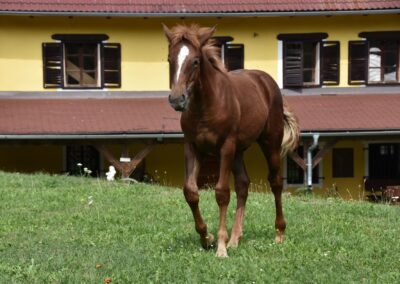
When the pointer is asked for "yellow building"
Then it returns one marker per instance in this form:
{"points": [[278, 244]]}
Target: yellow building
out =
{"points": [[96, 74]]}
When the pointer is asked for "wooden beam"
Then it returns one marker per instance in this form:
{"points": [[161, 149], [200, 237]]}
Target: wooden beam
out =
{"points": [[298, 160], [139, 157], [109, 156], [126, 168], [322, 152]]}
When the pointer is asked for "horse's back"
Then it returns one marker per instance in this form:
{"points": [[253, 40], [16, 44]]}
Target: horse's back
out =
{"points": [[258, 95], [256, 86]]}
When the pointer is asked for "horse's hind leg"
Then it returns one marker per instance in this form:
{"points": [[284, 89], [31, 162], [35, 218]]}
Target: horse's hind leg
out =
{"points": [[241, 187], [190, 190], [271, 148]]}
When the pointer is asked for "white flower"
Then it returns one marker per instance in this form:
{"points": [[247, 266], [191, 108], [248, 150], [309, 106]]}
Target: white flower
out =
{"points": [[85, 169], [79, 164]]}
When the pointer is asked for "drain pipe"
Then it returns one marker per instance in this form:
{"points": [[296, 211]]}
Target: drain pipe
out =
{"points": [[309, 160]]}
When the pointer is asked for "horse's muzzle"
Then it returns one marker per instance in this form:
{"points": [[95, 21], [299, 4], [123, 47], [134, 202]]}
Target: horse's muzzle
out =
{"points": [[180, 103]]}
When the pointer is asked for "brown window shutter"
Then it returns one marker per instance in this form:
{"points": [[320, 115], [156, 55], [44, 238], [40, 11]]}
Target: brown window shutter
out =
{"points": [[358, 62], [342, 162], [111, 65], [330, 62], [234, 56], [52, 65], [292, 64]]}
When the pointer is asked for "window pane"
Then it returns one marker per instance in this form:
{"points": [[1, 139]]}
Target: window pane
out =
{"points": [[89, 62], [73, 77], [89, 49], [89, 78], [374, 57], [72, 62], [390, 73], [71, 49], [374, 74]]}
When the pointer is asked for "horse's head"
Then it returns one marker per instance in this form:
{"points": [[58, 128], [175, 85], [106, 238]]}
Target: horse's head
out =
{"points": [[184, 57]]}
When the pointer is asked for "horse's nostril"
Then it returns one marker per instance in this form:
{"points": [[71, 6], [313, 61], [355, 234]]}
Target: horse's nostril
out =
{"points": [[183, 98], [169, 98]]}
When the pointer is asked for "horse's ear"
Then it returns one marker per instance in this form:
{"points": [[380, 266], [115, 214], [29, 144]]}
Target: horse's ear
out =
{"points": [[206, 34], [167, 32]]}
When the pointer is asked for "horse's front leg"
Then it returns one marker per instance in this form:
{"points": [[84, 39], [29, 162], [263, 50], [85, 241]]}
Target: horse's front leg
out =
{"points": [[222, 193], [242, 183], [190, 190]]}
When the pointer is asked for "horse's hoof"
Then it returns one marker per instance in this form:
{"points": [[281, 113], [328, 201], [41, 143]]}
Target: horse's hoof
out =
{"points": [[279, 238], [221, 253], [233, 244], [207, 242]]}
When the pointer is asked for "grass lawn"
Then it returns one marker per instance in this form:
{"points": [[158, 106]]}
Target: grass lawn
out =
{"points": [[145, 234]]}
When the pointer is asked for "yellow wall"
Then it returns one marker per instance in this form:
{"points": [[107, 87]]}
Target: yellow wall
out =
{"points": [[31, 158], [166, 164], [144, 48]]}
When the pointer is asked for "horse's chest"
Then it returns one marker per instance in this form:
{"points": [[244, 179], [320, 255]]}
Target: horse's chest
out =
{"points": [[206, 140]]}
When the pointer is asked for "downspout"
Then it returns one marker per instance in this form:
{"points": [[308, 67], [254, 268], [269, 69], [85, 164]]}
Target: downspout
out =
{"points": [[309, 160]]}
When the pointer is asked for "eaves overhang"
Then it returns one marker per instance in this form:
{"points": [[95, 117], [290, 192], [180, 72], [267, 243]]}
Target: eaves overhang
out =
{"points": [[180, 135], [205, 14]]}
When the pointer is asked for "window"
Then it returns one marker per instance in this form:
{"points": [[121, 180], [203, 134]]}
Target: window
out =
{"points": [[375, 60], [384, 161], [87, 156], [295, 174], [232, 54], [308, 61], [81, 61], [81, 65], [342, 162]]}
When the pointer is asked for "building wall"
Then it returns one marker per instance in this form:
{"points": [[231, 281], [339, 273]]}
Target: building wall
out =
{"points": [[165, 164], [145, 68], [144, 48], [31, 158]]}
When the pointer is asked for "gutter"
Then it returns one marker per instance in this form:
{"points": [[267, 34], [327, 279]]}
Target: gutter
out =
{"points": [[309, 160], [158, 136], [351, 133], [206, 14], [177, 135]]}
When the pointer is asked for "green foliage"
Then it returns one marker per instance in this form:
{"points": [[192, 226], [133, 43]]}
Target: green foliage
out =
{"points": [[59, 229]]}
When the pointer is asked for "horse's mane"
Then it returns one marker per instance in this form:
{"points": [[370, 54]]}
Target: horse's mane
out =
{"points": [[192, 34]]}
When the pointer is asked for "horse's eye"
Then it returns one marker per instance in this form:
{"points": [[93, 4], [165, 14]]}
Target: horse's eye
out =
{"points": [[196, 62]]}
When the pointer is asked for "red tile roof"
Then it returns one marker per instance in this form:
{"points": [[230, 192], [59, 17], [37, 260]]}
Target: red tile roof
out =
{"points": [[87, 116], [194, 6], [347, 112], [153, 115]]}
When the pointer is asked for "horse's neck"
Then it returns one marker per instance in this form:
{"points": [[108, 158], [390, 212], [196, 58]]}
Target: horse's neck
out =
{"points": [[210, 88]]}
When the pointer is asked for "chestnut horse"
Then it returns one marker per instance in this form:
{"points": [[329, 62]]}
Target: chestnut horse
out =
{"points": [[223, 113]]}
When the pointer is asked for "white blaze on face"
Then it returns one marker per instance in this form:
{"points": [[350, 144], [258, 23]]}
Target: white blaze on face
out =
{"points": [[183, 53]]}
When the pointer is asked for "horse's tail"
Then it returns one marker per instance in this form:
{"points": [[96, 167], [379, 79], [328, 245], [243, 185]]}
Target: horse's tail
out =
{"points": [[291, 130]]}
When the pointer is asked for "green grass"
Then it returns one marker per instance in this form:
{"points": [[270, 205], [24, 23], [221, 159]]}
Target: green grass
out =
{"points": [[145, 234]]}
